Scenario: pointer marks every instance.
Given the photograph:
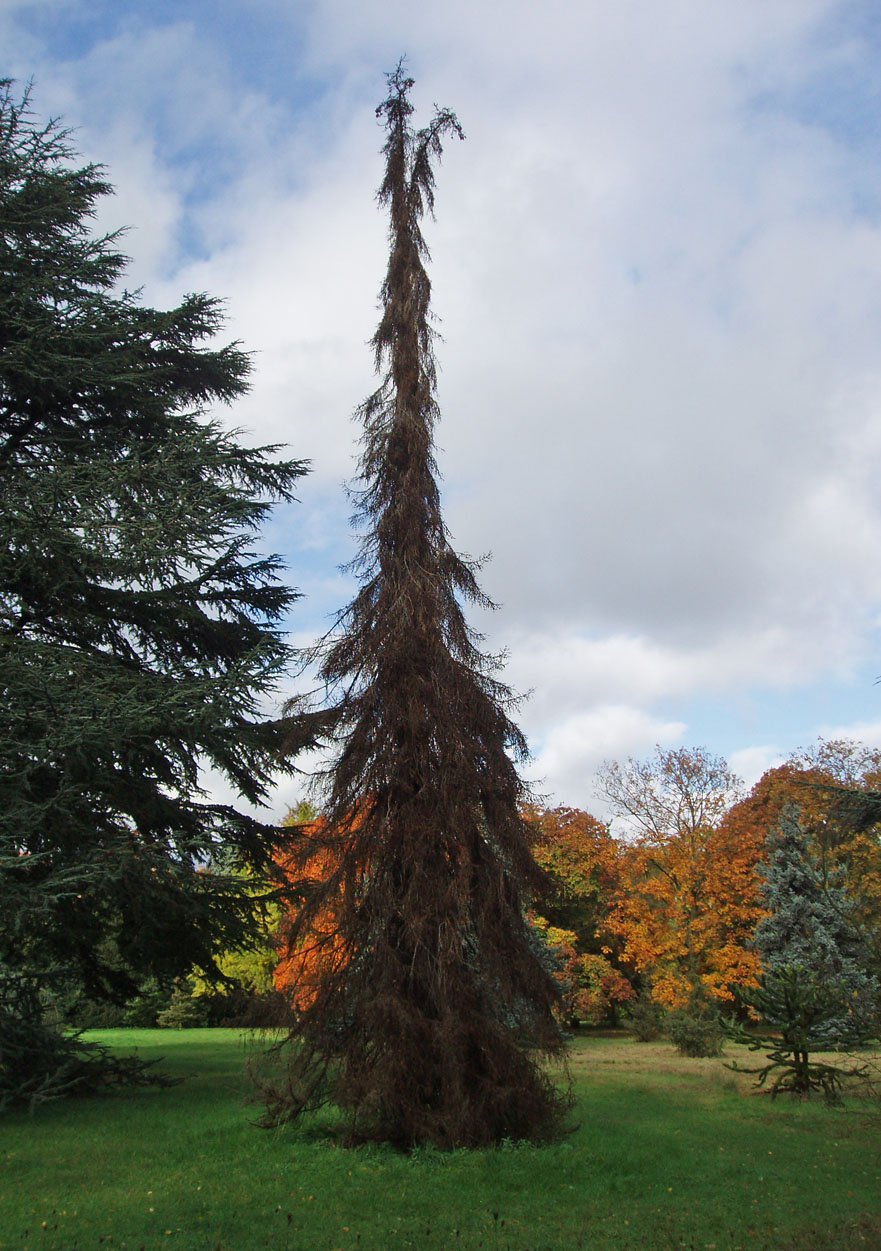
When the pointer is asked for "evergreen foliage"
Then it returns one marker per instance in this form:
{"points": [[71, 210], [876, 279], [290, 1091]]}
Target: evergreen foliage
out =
{"points": [[39, 1063], [139, 626], [184, 1010], [434, 1008], [696, 1028], [646, 1018], [814, 991]]}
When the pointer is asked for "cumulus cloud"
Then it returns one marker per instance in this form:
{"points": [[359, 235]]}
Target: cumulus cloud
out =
{"points": [[867, 732], [749, 763], [576, 746], [657, 262]]}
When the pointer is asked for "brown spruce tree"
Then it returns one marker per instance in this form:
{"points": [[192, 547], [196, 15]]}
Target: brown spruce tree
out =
{"points": [[429, 1013]]}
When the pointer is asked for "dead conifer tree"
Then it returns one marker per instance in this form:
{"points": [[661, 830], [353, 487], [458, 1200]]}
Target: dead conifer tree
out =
{"points": [[430, 1012]]}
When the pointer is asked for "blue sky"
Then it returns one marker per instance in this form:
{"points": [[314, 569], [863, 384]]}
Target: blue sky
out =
{"points": [[657, 265]]}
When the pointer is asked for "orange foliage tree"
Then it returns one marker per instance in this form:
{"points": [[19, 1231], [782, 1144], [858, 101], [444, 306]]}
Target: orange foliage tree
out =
{"points": [[578, 854], [686, 900], [305, 959], [676, 902], [575, 850]]}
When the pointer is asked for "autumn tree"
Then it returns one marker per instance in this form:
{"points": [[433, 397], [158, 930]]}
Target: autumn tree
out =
{"points": [[579, 855], [140, 625], [305, 957], [432, 1024], [682, 791], [686, 903]]}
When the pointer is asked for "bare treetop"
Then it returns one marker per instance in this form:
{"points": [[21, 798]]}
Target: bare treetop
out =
{"points": [[684, 790]]}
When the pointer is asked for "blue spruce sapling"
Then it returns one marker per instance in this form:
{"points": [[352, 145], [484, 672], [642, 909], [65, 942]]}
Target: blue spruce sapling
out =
{"points": [[814, 993]]}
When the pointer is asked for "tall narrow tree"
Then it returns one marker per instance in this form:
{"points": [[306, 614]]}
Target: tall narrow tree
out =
{"points": [[434, 1009]]}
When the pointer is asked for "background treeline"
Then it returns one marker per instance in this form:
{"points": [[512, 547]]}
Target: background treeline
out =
{"points": [[642, 916]]}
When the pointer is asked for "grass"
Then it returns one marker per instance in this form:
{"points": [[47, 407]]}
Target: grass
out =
{"points": [[667, 1153]]}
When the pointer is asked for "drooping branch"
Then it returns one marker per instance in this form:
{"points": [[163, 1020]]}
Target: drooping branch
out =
{"points": [[433, 1009]]}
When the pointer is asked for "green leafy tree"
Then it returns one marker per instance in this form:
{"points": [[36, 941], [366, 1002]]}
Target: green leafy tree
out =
{"points": [[140, 626], [579, 855], [434, 1007], [814, 991]]}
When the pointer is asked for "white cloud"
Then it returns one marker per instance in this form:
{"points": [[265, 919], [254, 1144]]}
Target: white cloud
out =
{"points": [[577, 745], [866, 732], [659, 274], [565, 672], [751, 762]]}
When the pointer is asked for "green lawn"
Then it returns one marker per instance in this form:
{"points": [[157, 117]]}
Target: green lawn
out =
{"points": [[667, 1153]]}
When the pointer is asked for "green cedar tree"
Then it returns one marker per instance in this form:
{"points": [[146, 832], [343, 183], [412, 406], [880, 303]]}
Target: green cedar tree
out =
{"points": [[140, 625]]}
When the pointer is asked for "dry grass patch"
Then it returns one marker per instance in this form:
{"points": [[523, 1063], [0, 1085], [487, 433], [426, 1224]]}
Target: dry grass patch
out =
{"points": [[659, 1065]]}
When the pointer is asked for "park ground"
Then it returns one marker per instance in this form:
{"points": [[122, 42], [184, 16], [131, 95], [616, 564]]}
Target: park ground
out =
{"points": [[664, 1152]]}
